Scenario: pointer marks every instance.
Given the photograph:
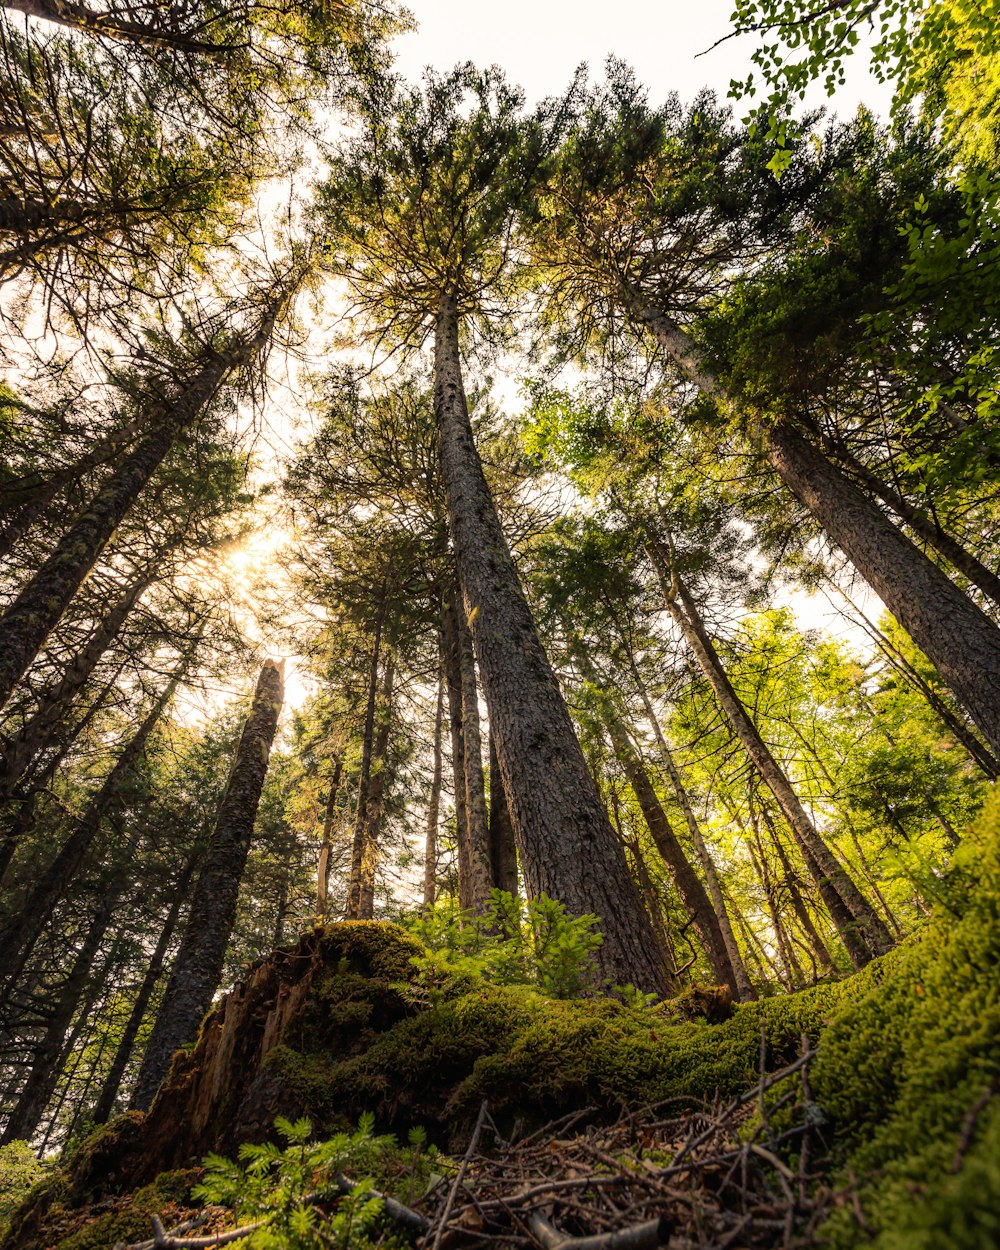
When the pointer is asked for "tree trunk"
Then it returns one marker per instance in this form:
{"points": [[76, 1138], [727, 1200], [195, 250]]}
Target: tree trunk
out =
{"points": [[364, 780], [791, 883], [958, 638], [326, 846], [198, 967], [19, 750], [481, 879], [859, 925], [28, 621], [434, 798], [375, 807], [19, 937], [744, 989], [111, 25], [503, 851], [693, 895], [154, 970], [453, 686], [567, 846]]}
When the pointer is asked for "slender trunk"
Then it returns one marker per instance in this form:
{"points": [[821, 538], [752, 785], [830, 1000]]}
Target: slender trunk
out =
{"points": [[326, 846], [375, 807], [693, 895], [364, 780], [20, 750], [858, 923], [19, 937], [154, 970], [958, 638], [926, 527], [791, 883], [198, 967], [43, 1075], [567, 846], [434, 798], [793, 972], [744, 987], [110, 25], [481, 880], [28, 621], [503, 852], [456, 722]]}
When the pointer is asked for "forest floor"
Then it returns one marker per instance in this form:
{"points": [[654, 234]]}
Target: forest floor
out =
{"points": [[855, 1113]]}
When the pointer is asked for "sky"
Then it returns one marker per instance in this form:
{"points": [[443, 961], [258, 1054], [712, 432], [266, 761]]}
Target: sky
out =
{"points": [[539, 44]]}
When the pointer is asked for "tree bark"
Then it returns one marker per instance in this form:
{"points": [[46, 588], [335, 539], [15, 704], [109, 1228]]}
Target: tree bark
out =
{"points": [[29, 620], [198, 967], [503, 851], [19, 937], [693, 895], [326, 846], [21, 749], [110, 26], [434, 798], [154, 970], [453, 687], [481, 878], [859, 925], [353, 911], [567, 846], [375, 808], [744, 989], [958, 638]]}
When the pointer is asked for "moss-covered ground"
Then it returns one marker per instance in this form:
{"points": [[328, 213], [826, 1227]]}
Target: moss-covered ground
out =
{"points": [[908, 1060]]}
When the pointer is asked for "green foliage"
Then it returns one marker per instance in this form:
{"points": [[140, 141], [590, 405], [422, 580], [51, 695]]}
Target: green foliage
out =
{"points": [[518, 941], [290, 1188], [20, 1171]]}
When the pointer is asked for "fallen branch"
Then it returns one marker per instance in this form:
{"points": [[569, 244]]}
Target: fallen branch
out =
{"points": [[645, 1236]]}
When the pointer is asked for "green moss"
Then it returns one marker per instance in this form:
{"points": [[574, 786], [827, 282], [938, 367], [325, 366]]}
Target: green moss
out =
{"points": [[129, 1220]]}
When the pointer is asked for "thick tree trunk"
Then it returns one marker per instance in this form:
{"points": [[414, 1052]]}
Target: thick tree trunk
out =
{"points": [[21, 749], [503, 850], [154, 970], [353, 911], [692, 893], [567, 846], [859, 925], [744, 989], [198, 967], [19, 937], [958, 638], [375, 808], [481, 879], [434, 798], [29, 620], [326, 845]]}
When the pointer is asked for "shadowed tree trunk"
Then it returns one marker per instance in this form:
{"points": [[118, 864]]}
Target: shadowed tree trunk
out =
{"points": [[326, 846], [503, 851], [19, 936], [481, 873], [434, 798], [567, 846], [375, 808], [198, 967], [958, 638], [353, 911], [154, 970], [19, 750], [453, 687], [38, 608], [858, 923]]}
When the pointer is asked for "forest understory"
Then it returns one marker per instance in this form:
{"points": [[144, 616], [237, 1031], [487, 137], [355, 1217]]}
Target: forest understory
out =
{"points": [[499, 636]]}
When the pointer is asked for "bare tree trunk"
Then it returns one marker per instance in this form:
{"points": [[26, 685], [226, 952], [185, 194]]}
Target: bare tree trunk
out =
{"points": [[364, 780], [28, 621], [434, 798], [744, 989], [503, 851], [154, 970], [791, 883], [481, 879], [19, 937], [375, 807], [21, 748], [453, 685], [198, 967], [111, 25], [326, 846], [567, 846], [858, 923]]}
